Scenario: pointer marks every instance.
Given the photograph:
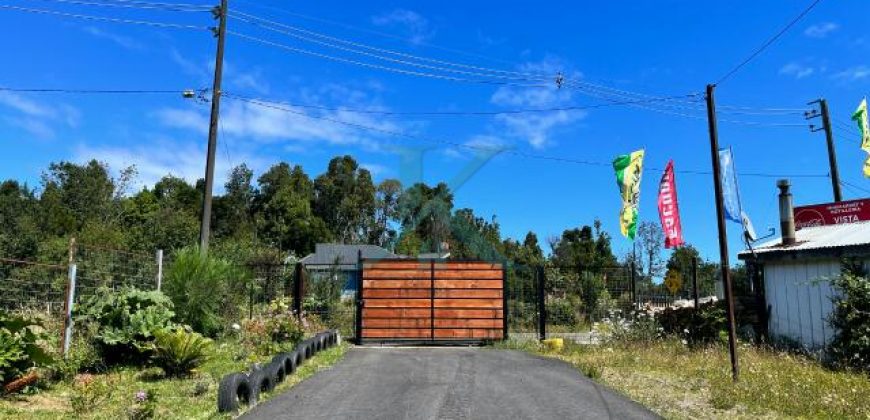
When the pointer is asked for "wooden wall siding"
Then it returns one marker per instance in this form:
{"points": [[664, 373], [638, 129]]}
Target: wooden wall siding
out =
{"points": [[441, 301]]}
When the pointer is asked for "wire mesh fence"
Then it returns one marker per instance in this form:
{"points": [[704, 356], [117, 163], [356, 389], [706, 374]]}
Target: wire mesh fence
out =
{"points": [[329, 295], [32, 286]]}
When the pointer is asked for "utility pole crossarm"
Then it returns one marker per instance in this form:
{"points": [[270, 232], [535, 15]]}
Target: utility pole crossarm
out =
{"points": [[205, 224]]}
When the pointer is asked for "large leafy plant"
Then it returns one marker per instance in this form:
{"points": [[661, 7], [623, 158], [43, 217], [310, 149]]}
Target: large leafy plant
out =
{"points": [[126, 320], [178, 351], [20, 347]]}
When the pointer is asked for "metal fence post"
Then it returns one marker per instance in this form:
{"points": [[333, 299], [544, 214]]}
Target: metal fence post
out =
{"points": [[70, 291], [504, 301], [542, 302], [695, 281], [359, 298], [70, 299], [297, 289], [159, 269], [633, 288]]}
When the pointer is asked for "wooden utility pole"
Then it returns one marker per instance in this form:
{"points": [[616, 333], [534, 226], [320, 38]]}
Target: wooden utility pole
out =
{"points": [[723, 236], [829, 136], [221, 31]]}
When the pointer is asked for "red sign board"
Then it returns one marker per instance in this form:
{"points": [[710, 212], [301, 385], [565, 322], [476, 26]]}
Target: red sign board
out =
{"points": [[832, 213]]}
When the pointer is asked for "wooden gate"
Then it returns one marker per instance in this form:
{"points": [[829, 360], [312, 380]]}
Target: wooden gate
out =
{"points": [[431, 301]]}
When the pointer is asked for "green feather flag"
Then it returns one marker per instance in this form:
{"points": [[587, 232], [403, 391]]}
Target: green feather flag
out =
{"points": [[629, 169], [860, 116]]}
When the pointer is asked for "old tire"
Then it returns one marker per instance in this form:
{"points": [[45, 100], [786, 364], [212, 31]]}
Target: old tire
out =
{"points": [[298, 357], [304, 349], [261, 381], [321, 341], [276, 371], [235, 390], [289, 360]]}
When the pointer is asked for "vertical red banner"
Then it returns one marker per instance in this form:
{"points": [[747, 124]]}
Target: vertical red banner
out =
{"points": [[669, 210]]}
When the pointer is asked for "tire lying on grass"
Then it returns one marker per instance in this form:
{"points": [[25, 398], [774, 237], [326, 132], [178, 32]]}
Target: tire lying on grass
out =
{"points": [[288, 360], [235, 390], [261, 381], [276, 370], [322, 341], [304, 348], [298, 357]]}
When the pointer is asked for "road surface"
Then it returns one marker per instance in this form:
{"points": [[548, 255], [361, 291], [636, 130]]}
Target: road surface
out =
{"points": [[447, 383]]}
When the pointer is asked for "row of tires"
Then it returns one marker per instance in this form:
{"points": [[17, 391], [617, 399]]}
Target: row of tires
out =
{"points": [[238, 389]]}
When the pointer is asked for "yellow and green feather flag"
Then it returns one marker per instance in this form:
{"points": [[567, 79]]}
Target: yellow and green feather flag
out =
{"points": [[628, 173], [860, 116]]}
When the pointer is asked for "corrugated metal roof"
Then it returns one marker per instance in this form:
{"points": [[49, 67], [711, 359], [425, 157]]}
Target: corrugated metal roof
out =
{"points": [[820, 237], [344, 255]]}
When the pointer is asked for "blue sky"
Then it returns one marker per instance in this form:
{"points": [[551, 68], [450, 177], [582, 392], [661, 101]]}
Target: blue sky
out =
{"points": [[654, 48]]}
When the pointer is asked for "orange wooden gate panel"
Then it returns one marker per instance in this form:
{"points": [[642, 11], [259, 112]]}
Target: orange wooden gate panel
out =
{"points": [[422, 300]]}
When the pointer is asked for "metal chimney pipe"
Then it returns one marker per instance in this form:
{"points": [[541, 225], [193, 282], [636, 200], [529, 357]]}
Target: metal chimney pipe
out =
{"points": [[786, 212]]}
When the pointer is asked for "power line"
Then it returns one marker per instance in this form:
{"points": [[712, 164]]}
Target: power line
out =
{"points": [[172, 7], [456, 113], [104, 19], [514, 152], [294, 32], [374, 66], [94, 91], [854, 187], [371, 32], [768, 43]]}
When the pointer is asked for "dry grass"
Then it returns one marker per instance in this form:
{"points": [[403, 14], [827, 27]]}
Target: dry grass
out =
{"points": [[683, 383]]}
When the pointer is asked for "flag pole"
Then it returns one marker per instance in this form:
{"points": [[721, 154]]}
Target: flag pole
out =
{"points": [[723, 236]]}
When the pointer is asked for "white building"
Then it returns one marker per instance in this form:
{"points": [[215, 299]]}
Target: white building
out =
{"points": [[797, 270]]}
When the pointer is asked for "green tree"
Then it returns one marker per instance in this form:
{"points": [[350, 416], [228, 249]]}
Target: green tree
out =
{"points": [[583, 249], [283, 210], [19, 233], [344, 197], [427, 211], [473, 237], [387, 195], [234, 210], [75, 194]]}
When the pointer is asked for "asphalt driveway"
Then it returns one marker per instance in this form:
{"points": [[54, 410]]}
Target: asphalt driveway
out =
{"points": [[448, 383]]}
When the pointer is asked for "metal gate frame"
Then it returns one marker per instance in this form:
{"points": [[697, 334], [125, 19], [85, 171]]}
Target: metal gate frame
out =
{"points": [[432, 339]]}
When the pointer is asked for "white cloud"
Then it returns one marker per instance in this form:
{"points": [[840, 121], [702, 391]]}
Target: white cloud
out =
{"points": [[154, 161], [478, 144], [821, 30], [284, 123], [35, 117], [796, 70], [123, 41], [854, 73], [417, 26], [536, 128], [376, 169]]}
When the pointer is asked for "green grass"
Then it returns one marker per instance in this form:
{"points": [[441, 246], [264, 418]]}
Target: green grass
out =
{"points": [[186, 398], [682, 383]]}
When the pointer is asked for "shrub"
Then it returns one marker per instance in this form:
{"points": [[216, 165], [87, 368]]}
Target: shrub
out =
{"points": [[126, 321], [206, 290], [638, 327], [705, 325], [277, 328], [178, 351], [851, 319], [564, 311], [89, 392], [20, 348]]}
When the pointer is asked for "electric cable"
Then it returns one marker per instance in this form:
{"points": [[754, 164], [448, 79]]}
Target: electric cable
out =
{"points": [[104, 18]]}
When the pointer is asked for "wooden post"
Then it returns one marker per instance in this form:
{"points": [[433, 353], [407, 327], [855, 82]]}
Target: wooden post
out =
{"points": [[723, 234]]}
